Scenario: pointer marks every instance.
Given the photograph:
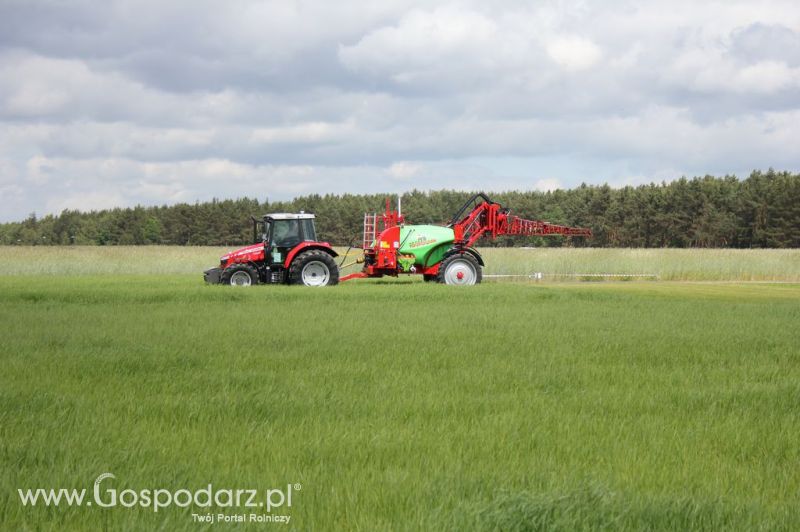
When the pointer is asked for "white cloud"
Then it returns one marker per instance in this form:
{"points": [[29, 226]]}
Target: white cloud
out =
{"points": [[38, 170], [547, 185], [712, 70], [86, 201], [574, 53], [424, 46], [404, 170], [9, 173], [767, 77]]}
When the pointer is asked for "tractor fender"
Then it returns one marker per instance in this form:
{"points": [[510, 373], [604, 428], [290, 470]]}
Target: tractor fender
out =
{"points": [[304, 246], [471, 251]]}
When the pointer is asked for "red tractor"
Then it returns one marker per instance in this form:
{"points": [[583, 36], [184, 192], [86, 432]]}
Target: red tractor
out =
{"points": [[286, 252]]}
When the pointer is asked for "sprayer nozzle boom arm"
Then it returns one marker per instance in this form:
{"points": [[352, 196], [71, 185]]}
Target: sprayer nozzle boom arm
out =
{"points": [[492, 219]]}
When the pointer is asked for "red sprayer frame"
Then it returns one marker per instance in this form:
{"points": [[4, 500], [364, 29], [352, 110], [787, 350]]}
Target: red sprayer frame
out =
{"points": [[486, 218]]}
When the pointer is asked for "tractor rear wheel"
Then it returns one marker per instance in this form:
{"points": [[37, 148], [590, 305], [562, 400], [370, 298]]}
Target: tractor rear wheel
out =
{"points": [[460, 269], [314, 268], [240, 275]]}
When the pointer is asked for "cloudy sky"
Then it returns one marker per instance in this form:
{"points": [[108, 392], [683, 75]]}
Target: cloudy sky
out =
{"points": [[118, 102]]}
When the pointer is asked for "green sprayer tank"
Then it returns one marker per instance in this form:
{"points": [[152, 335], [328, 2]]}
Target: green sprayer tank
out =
{"points": [[427, 243]]}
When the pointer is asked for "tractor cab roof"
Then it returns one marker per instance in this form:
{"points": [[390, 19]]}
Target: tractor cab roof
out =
{"points": [[289, 216]]}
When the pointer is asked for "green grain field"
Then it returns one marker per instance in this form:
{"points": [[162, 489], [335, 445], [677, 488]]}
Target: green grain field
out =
{"points": [[401, 405], [557, 264]]}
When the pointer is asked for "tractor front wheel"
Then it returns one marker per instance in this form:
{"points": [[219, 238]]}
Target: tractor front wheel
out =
{"points": [[314, 268], [460, 269], [240, 275]]}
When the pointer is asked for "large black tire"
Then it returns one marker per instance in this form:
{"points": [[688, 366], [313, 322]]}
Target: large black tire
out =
{"points": [[461, 269], [234, 275], [314, 268]]}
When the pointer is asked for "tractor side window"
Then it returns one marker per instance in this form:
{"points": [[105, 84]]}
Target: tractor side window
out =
{"points": [[265, 234], [286, 233], [308, 230]]}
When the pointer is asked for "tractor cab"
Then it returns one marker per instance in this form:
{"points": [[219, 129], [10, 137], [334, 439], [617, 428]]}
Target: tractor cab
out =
{"points": [[282, 232]]}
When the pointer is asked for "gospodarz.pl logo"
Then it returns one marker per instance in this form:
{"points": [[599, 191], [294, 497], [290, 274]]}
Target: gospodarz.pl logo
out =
{"points": [[260, 505]]}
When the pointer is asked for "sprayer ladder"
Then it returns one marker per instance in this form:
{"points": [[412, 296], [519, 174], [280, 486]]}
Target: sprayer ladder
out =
{"points": [[370, 228]]}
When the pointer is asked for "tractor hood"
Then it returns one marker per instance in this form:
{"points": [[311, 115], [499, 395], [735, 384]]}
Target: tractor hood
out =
{"points": [[250, 253]]}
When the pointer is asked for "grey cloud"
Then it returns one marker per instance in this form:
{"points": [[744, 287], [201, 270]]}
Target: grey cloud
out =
{"points": [[188, 46], [147, 101], [762, 42]]}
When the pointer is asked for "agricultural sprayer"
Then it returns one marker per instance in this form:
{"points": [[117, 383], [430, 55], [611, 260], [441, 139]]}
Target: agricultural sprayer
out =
{"points": [[441, 253]]}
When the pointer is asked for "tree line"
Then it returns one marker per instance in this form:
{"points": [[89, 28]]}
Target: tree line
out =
{"points": [[761, 211]]}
